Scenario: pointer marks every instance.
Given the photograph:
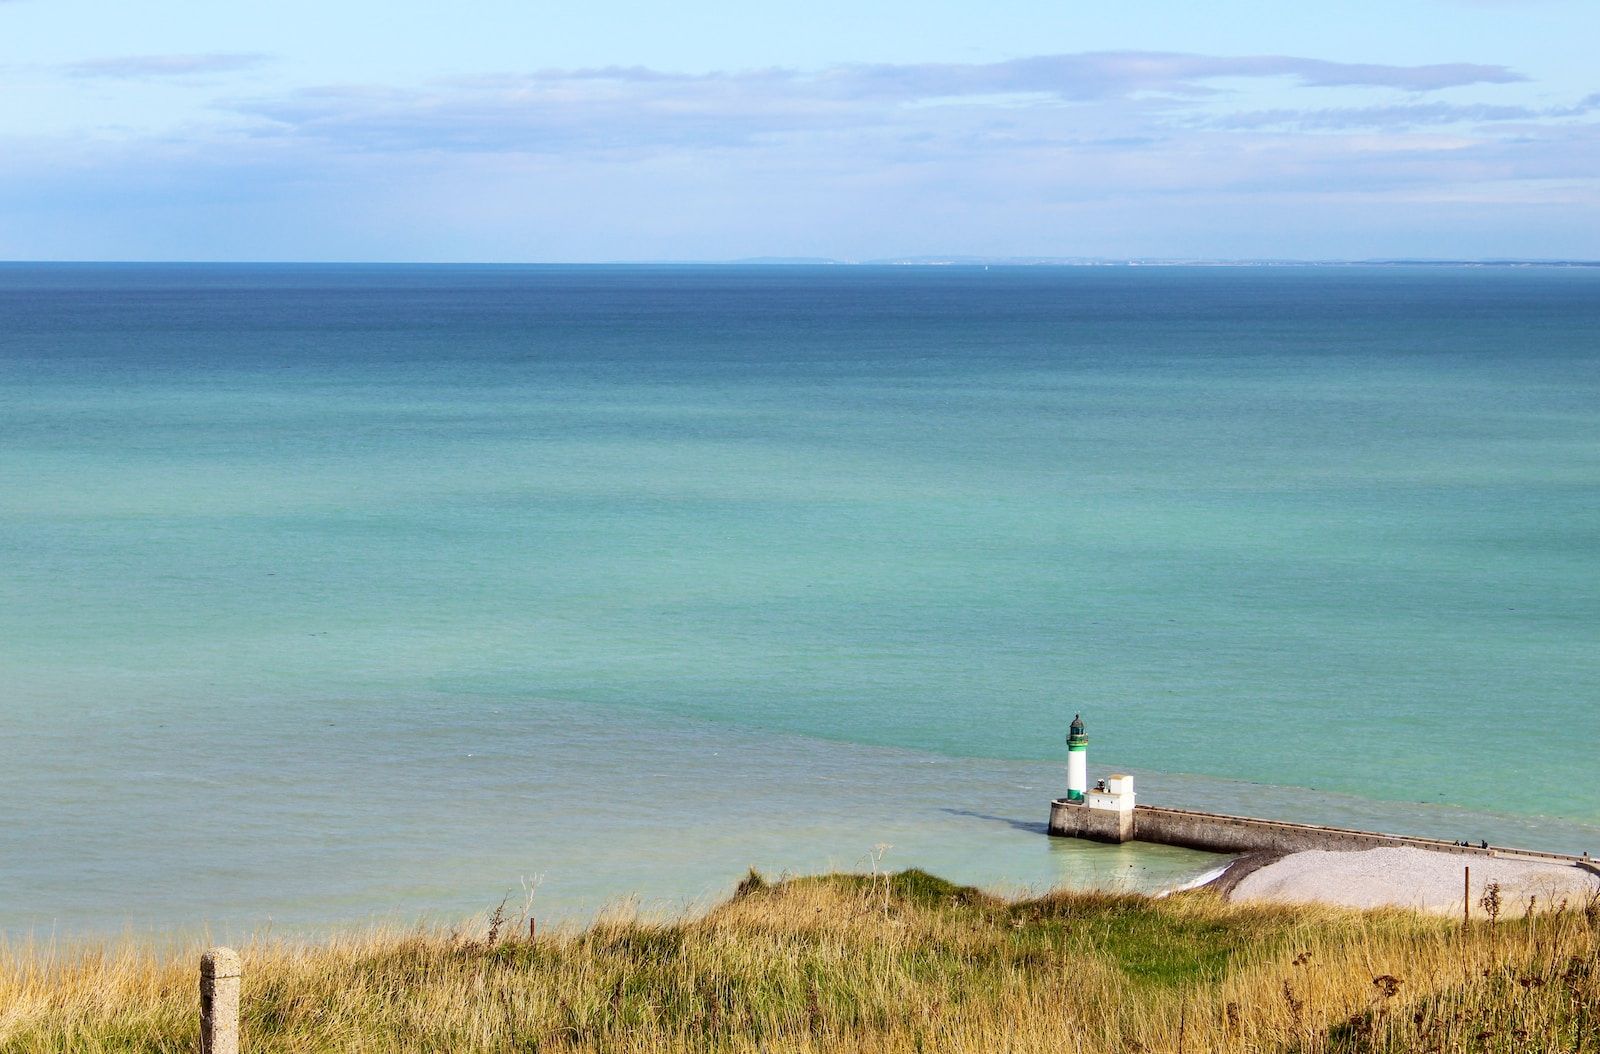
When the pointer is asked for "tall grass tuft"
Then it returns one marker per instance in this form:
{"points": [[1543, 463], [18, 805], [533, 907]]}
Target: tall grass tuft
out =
{"points": [[882, 962]]}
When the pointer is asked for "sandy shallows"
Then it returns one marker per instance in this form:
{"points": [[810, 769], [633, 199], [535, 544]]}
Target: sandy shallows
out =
{"points": [[1412, 878]]}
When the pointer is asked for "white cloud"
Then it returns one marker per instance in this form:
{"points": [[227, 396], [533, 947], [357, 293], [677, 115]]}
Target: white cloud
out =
{"points": [[130, 67], [1399, 116], [626, 110], [1144, 153]]}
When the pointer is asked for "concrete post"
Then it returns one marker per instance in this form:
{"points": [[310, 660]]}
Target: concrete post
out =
{"points": [[219, 1001]]}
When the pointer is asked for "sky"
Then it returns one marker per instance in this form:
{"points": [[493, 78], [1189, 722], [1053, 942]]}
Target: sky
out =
{"points": [[498, 130]]}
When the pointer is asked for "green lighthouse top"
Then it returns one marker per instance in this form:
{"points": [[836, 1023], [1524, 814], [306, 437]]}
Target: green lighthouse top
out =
{"points": [[1076, 735]]}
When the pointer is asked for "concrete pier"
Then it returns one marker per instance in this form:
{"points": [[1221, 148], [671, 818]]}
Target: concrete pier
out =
{"points": [[1108, 812], [1220, 833]]}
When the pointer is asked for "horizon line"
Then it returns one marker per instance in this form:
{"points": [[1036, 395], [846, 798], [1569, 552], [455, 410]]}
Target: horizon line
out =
{"points": [[954, 260]]}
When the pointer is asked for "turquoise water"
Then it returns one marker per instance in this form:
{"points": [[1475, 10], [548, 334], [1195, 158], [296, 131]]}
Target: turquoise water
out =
{"points": [[333, 591]]}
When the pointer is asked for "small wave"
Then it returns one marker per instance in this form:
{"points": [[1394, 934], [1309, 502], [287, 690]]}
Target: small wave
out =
{"points": [[1195, 883]]}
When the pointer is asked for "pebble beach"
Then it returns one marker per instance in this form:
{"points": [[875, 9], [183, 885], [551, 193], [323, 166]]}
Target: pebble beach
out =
{"points": [[1414, 878]]}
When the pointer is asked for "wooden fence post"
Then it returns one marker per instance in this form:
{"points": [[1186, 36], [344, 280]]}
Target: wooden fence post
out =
{"points": [[219, 1001]]}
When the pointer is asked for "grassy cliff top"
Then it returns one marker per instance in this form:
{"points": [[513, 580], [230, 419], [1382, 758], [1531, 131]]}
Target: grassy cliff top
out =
{"points": [[906, 962]]}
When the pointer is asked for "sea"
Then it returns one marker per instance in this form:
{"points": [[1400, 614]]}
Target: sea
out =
{"points": [[344, 595]]}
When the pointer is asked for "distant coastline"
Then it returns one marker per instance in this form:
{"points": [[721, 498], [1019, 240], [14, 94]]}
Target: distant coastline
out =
{"points": [[1132, 261]]}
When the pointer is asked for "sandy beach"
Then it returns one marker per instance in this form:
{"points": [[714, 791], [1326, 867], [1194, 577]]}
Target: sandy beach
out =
{"points": [[1411, 878]]}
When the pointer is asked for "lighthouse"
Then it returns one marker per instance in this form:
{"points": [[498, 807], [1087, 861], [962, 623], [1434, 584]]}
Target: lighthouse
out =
{"points": [[1077, 760]]}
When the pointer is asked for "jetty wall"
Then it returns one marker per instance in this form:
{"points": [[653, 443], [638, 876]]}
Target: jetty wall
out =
{"points": [[1221, 833]]}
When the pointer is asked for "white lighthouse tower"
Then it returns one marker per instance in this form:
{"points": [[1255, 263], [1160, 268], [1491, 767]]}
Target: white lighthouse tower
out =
{"points": [[1077, 760]]}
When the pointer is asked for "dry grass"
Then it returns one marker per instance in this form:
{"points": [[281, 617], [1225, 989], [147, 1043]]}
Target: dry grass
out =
{"points": [[830, 964]]}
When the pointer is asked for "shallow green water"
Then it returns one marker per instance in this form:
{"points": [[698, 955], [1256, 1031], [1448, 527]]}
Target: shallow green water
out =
{"points": [[329, 591]]}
